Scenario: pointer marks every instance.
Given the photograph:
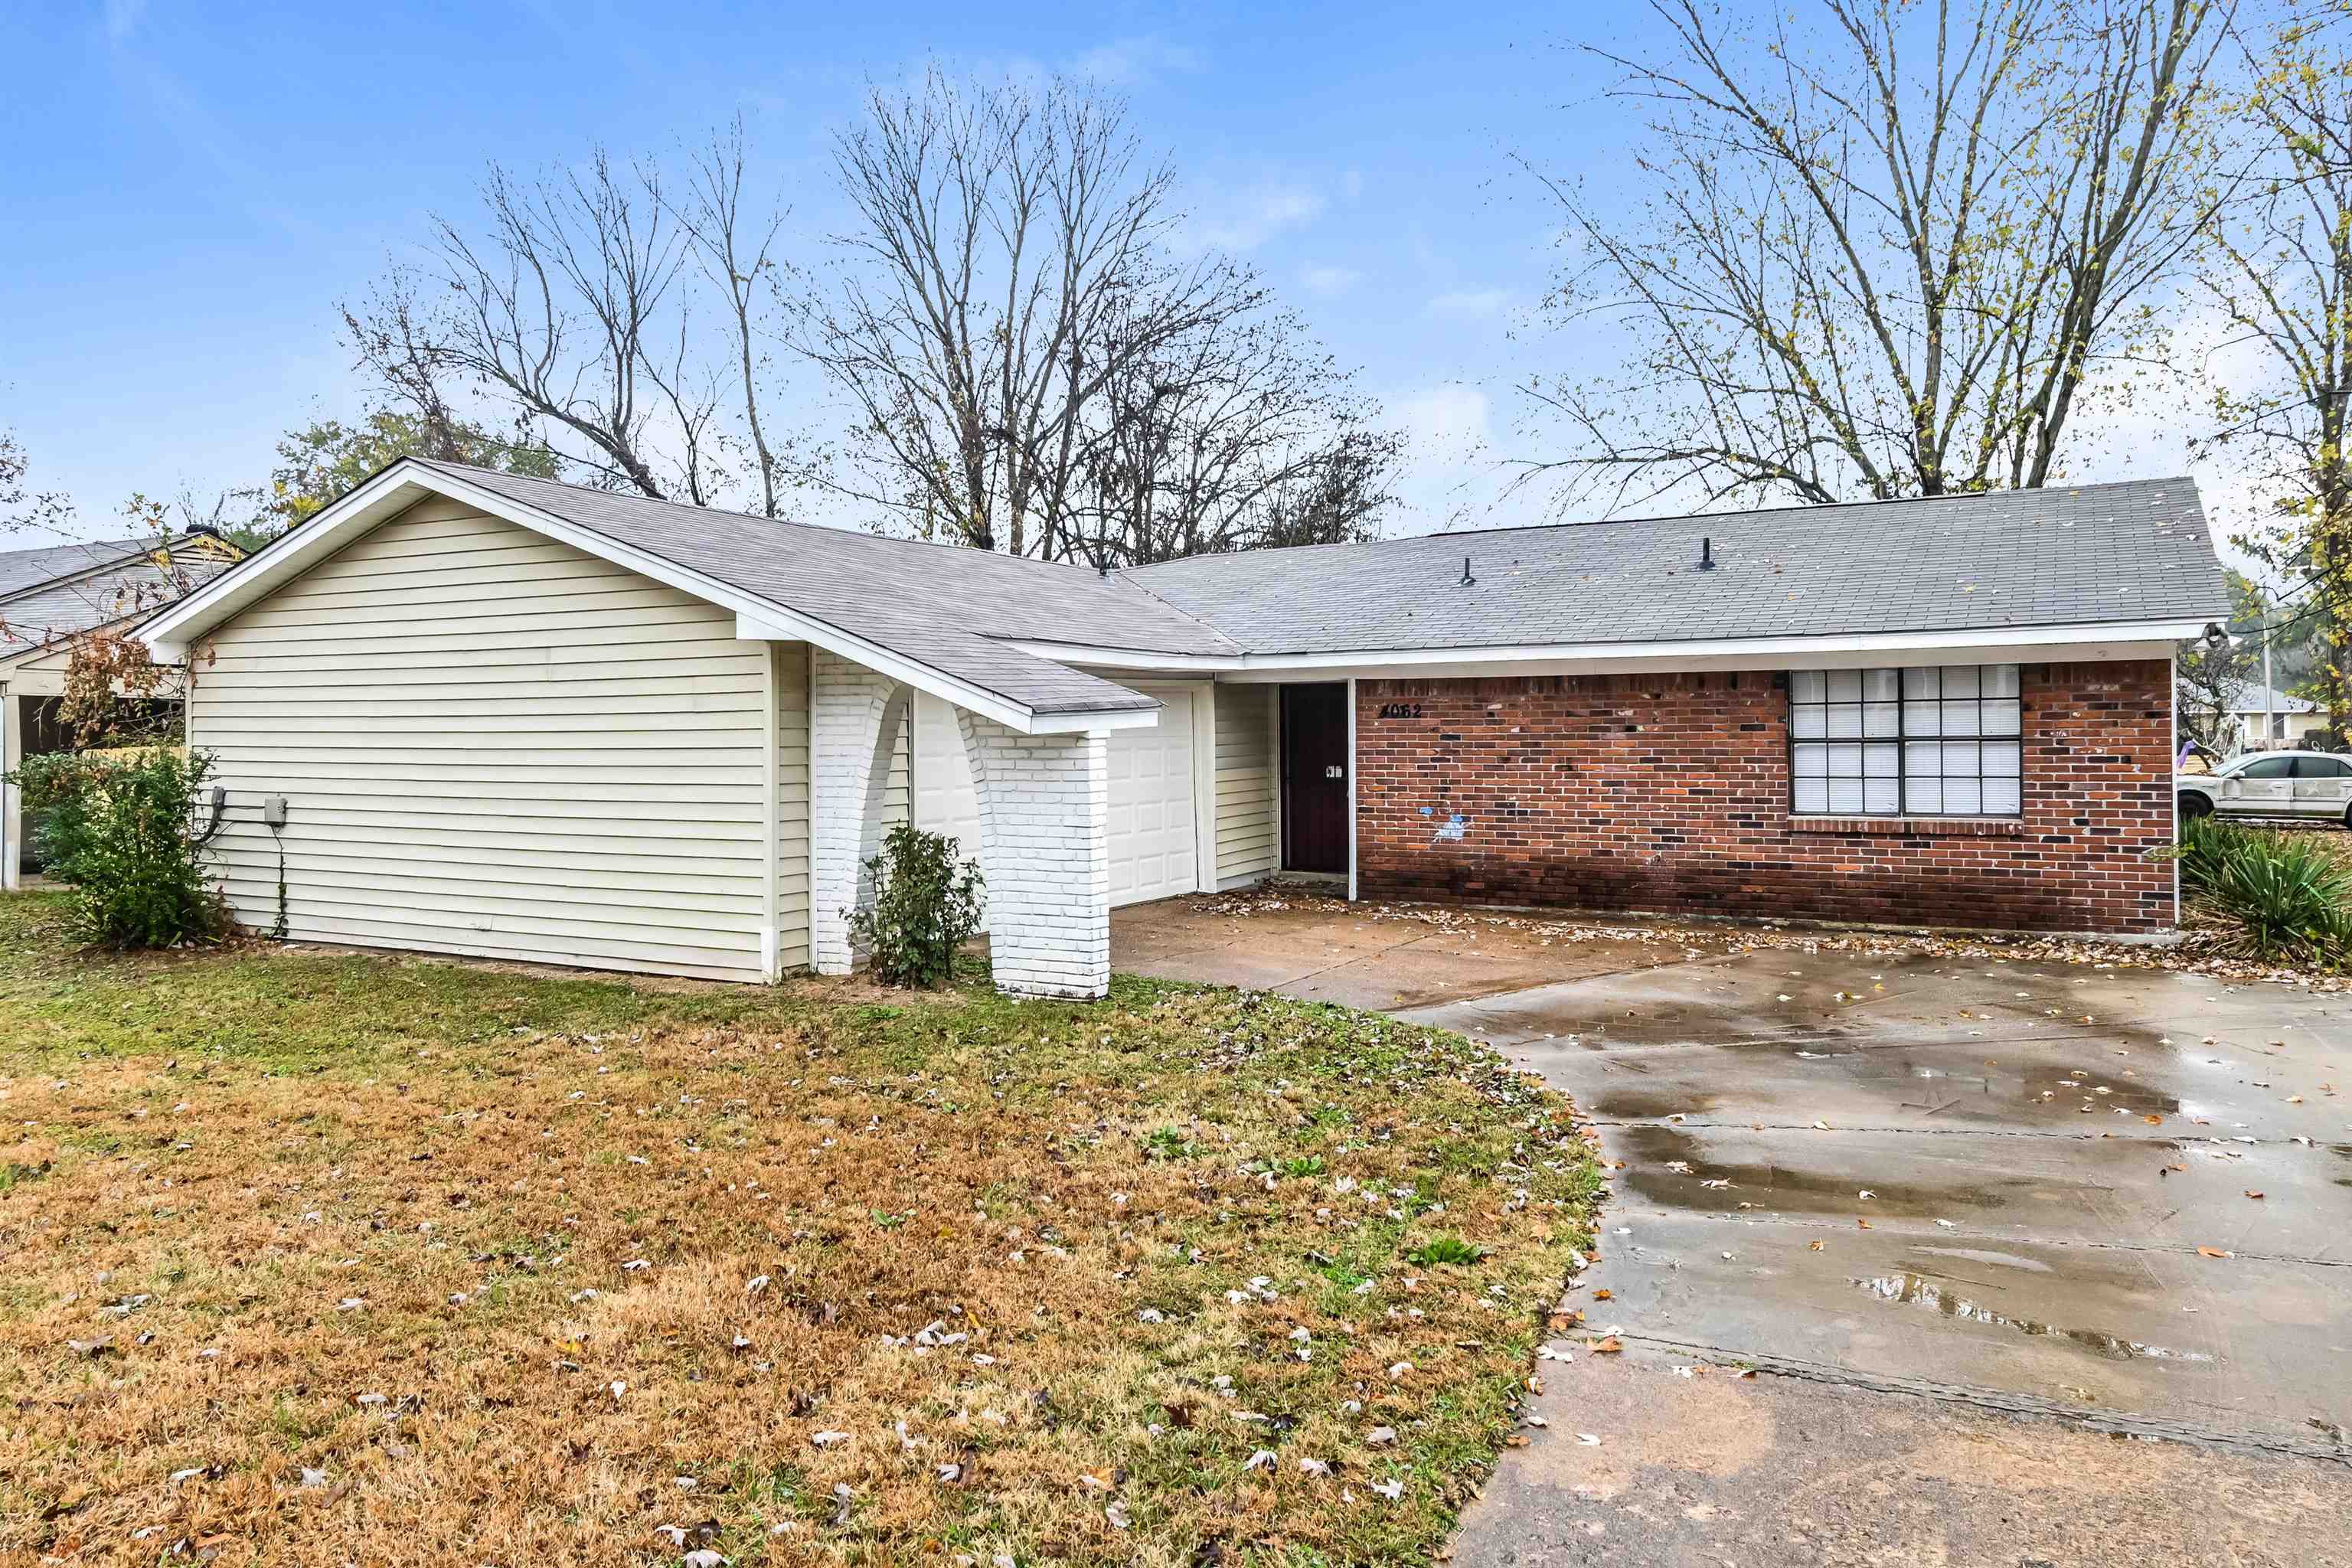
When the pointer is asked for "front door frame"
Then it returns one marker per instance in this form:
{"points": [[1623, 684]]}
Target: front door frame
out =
{"points": [[1344, 691]]}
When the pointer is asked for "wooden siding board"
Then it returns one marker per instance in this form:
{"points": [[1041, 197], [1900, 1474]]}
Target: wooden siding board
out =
{"points": [[498, 745]]}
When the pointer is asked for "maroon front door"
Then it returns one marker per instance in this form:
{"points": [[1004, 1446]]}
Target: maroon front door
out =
{"points": [[1315, 778]]}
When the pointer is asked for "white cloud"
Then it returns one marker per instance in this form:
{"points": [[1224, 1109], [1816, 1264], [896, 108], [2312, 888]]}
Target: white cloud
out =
{"points": [[1471, 304], [1124, 62], [123, 18], [1329, 281], [1247, 217]]}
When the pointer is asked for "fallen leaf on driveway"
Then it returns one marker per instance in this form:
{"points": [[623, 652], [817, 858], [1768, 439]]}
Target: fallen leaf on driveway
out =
{"points": [[1609, 1346], [1818, 1246], [1588, 1439], [2251, 1194], [1603, 1294], [2213, 1252]]}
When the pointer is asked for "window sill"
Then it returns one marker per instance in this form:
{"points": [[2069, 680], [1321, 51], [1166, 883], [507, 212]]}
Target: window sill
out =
{"points": [[1913, 826]]}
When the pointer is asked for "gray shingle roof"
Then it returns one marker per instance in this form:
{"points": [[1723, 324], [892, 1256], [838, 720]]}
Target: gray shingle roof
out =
{"points": [[2138, 550], [76, 587], [940, 605], [22, 571], [2087, 555], [2246, 697]]}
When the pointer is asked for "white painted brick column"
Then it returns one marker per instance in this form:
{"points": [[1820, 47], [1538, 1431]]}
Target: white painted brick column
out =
{"points": [[1044, 848], [855, 716]]}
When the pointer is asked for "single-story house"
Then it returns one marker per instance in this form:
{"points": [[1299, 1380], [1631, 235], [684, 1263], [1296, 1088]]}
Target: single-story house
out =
{"points": [[50, 595], [469, 712]]}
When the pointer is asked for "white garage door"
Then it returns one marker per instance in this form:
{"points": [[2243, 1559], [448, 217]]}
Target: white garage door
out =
{"points": [[1154, 851], [1151, 847]]}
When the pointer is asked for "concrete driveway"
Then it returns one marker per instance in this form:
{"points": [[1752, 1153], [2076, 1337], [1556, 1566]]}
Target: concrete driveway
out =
{"points": [[1963, 1216]]}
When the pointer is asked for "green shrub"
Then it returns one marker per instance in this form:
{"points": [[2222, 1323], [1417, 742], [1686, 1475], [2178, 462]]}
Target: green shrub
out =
{"points": [[2289, 893], [120, 830], [926, 905]]}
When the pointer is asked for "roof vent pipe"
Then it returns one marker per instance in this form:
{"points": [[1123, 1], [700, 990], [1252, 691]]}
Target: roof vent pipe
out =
{"points": [[1466, 579], [1707, 554]]}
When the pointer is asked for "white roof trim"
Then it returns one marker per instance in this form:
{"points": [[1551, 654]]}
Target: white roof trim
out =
{"points": [[1722, 652], [406, 482]]}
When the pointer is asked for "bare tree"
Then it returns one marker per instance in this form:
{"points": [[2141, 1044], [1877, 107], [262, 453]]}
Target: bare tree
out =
{"points": [[736, 250], [2279, 270], [1239, 438], [564, 313], [1894, 264], [1012, 262]]}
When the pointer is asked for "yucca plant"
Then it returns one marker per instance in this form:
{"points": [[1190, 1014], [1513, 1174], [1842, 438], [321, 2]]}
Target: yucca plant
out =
{"points": [[2291, 895]]}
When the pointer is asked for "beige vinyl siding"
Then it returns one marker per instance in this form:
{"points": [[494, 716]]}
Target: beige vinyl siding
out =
{"points": [[793, 805], [492, 743], [1249, 844]]}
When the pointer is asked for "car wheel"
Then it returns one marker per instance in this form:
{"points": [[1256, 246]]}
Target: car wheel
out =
{"points": [[2194, 805]]}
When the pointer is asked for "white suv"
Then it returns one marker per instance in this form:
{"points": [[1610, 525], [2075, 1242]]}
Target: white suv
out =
{"points": [[2270, 783]]}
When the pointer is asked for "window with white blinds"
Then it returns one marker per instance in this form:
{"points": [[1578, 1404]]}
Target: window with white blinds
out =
{"points": [[1932, 741]]}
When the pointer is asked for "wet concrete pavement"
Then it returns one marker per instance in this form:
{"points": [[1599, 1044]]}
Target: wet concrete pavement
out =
{"points": [[1386, 958], [1927, 1197], [1710, 1468], [2051, 1158]]}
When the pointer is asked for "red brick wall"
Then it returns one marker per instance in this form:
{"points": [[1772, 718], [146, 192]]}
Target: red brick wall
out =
{"points": [[1670, 793]]}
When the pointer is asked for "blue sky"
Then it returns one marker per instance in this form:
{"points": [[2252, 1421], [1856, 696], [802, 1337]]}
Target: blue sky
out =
{"points": [[192, 187]]}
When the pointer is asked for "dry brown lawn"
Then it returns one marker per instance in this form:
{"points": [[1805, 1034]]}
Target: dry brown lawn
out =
{"points": [[317, 1259]]}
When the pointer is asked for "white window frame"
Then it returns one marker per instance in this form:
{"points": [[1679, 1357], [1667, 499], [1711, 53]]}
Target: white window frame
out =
{"points": [[1916, 720]]}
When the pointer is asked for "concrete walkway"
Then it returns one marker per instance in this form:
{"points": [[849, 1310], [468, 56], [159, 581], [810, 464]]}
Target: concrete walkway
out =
{"points": [[1953, 1212]]}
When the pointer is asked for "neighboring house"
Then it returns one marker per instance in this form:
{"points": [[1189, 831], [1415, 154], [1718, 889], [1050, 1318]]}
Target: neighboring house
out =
{"points": [[482, 714], [2290, 721], [47, 596]]}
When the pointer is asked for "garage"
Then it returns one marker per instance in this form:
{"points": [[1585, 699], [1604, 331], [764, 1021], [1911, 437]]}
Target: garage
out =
{"points": [[1152, 823]]}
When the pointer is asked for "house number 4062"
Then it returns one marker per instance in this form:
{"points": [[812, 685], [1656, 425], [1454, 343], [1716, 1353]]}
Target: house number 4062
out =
{"points": [[1400, 710]]}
